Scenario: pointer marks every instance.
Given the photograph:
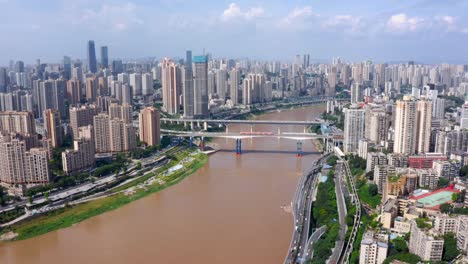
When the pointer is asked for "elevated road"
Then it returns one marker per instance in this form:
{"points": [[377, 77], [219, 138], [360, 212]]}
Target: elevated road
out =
{"points": [[342, 212], [295, 136], [302, 212], [357, 218], [246, 122]]}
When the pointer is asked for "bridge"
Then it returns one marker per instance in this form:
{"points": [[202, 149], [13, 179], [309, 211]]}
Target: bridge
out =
{"points": [[205, 122], [299, 137]]}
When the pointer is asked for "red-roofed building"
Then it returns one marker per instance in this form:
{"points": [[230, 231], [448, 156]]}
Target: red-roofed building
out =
{"points": [[424, 161]]}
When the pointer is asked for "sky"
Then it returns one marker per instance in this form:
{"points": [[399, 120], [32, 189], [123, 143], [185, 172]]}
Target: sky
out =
{"points": [[426, 31]]}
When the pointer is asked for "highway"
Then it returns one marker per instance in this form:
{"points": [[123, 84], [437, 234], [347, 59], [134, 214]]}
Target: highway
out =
{"points": [[302, 212], [86, 186], [342, 212]]}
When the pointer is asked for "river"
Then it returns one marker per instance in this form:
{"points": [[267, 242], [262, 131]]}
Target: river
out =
{"points": [[229, 211]]}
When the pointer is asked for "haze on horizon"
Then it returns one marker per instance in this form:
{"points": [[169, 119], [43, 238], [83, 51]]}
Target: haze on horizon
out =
{"points": [[428, 31]]}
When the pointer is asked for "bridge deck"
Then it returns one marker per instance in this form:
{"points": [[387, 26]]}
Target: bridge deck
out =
{"points": [[298, 136], [247, 122]]}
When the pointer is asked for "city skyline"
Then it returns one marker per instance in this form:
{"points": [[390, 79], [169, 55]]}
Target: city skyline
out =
{"points": [[388, 31]]}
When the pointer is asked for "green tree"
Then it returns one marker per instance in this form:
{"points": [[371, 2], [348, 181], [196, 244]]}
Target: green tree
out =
{"points": [[450, 247], [443, 182], [400, 245], [464, 171], [373, 189], [445, 208]]}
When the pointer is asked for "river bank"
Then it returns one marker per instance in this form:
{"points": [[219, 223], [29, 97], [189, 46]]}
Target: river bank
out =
{"points": [[182, 165], [229, 211]]}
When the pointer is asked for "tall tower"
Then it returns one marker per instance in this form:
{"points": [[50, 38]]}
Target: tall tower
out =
{"points": [[234, 79], [353, 128], [104, 57], [149, 126], [405, 126], [221, 83], [92, 65], [170, 81], [53, 127], [201, 86], [188, 90], [424, 112]]}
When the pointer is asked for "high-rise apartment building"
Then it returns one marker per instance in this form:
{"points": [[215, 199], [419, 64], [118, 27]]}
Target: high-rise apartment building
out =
{"points": [[113, 135], [22, 168], [464, 117], [122, 136], [53, 127], [357, 94], [424, 114], [221, 84], [82, 116], [123, 112], [91, 89], [101, 133], [373, 249], [200, 73], [234, 79], [91, 52], [353, 128], [425, 243], [149, 120], [170, 86], [81, 157], [135, 83], [73, 91], [17, 122], [147, 83], [405, 126], [188, 90]]}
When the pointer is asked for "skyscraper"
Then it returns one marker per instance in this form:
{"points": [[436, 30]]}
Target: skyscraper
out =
{"points": [[82, 116], [135, 83], [92, 64], [221, 83], [3, 80], [67, 67], [123, 112], [73, 91], [405, 126], [201, 86], [170, 80], [101, 133], [104, 57], [149, 126], [147, 84], [20, 167], [234, 79], [357, 94], [91, 89], [424, 113], [188, 90], [353, 128], [53, 127]]}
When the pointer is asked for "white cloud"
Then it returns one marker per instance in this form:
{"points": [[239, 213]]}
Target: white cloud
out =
{"points": [[344, 21], [448, 22], [298, 18], [403, 23], [233, 12], [117, 17]]}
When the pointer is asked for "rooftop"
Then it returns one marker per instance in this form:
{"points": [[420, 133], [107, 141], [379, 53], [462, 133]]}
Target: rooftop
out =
{"points": [[434, 199]]}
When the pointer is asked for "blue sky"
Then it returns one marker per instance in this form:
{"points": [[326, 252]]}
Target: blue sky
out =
{"points": [[430, 31]]}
